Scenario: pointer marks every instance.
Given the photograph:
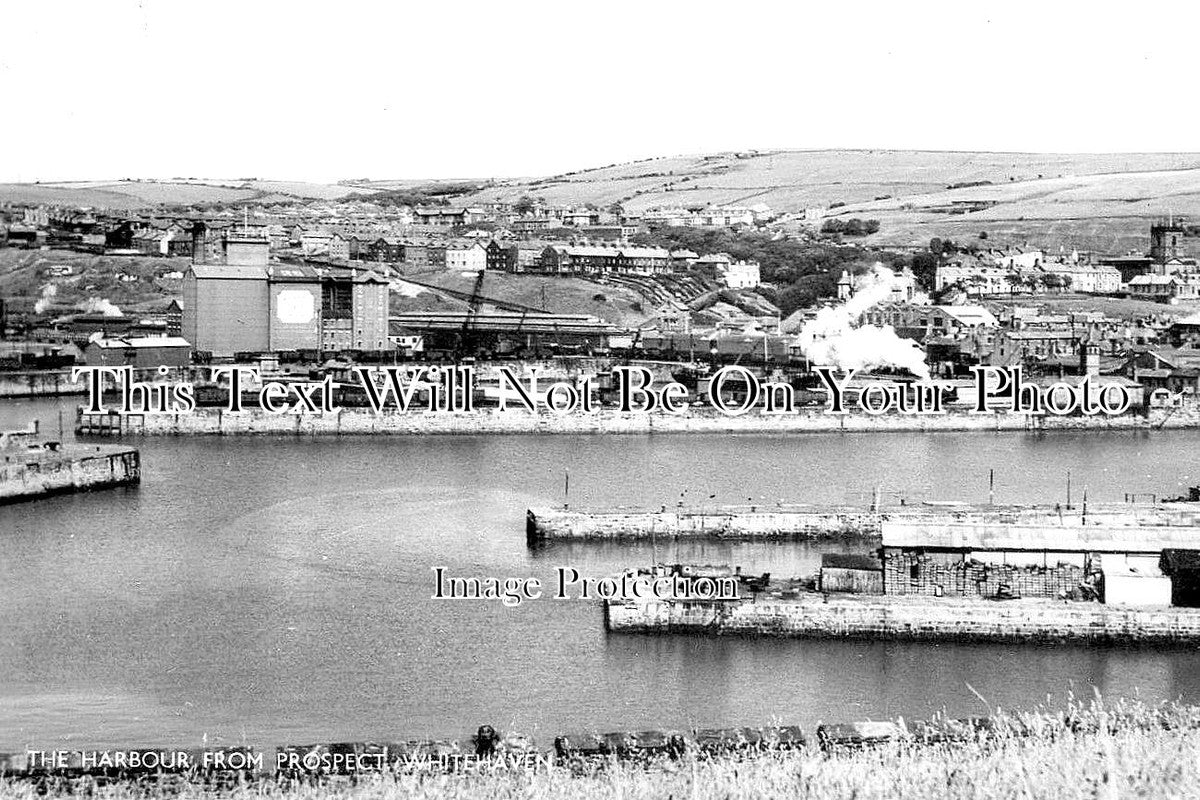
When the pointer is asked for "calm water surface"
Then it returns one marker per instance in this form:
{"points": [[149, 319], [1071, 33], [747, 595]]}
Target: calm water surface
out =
{"points": [[277, 590]]}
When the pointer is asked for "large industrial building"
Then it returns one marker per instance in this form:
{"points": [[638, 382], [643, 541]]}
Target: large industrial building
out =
{"points": [[504, 332], [249, 305]]}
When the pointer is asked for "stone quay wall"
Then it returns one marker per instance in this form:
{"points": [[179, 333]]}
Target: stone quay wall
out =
{"points": [[42, 383], [911, 618], [100, 468], [730, 522], [350, 421]]}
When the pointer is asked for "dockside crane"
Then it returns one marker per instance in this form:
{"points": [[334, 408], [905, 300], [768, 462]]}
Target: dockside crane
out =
{"points": [[634, 341], [474, 302]]}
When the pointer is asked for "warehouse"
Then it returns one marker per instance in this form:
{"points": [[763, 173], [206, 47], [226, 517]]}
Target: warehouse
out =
{"points": [[226, 310], [354, 311], [229, 310], [503, 333], [295, 292]]}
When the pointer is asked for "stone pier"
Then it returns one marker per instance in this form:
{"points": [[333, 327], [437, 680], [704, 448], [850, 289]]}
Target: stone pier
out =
{"points": [[774, 521], [28, 474], [813, 615]]}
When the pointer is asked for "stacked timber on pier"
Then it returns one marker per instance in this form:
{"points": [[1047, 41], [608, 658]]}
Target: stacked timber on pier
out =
{"points": [[33, 469]]}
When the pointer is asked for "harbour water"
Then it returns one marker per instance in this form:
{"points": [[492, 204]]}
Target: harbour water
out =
{"points": [[273, 590]]}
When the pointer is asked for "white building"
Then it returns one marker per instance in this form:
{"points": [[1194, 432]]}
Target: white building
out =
{"points": [[975, 280], [315, 242], [1019, 260], [742, 274], [466, 257], [1086, 278], [903, 287]]}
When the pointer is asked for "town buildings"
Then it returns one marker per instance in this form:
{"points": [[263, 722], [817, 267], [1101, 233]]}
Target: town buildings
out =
{"points": [[923, 322], [1173, 288], [1085, 278], [598, 260]]}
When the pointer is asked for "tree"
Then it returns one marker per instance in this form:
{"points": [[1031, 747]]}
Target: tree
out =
{"points": [[850, 227], [924, 267], [1055, 281], [525, 205]]}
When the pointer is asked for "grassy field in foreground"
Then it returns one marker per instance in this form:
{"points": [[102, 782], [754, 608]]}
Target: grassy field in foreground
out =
{"points": [[1123, 750]]}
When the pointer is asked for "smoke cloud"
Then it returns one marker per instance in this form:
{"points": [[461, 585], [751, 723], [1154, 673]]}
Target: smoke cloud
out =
{"points": [[101, 305], [406, 289], [48, 293], [833, 337]]}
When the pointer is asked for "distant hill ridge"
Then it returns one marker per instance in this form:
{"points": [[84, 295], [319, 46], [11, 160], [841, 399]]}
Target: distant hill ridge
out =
{"points": [[1089, 201]]}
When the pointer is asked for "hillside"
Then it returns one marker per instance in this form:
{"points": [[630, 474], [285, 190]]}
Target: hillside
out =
{"points": [[1098, 202], [616, 304], [1087, 201], [792, 180], [131, 283], [141, 194]]}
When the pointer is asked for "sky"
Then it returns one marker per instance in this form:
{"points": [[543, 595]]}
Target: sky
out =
{"points": [[385, 90]]}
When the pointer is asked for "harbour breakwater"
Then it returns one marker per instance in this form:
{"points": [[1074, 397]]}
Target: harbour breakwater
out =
{"points": [[926, 521], [733, 522], [352, 422], [30, 474], [814, 615]]}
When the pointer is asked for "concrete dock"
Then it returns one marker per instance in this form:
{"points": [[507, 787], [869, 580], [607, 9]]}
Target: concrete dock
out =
{"points": [[799, 521], [207, 421], [749, 522], [32, 469], [816, 615]]}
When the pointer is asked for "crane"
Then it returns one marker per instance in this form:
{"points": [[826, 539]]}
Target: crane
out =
{"points": [[473, 304], [634, 341]]}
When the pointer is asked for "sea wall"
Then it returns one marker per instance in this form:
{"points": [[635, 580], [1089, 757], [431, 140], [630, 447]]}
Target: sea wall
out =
{"points": [[346, 422], [732, 522], [1110, 527], [912, 618], [73, 470], [42, 383]]}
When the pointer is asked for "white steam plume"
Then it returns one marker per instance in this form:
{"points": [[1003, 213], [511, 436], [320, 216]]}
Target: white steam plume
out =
{"points": [[48, 293], [833, 338], [101, 305]]}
